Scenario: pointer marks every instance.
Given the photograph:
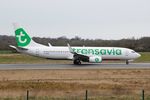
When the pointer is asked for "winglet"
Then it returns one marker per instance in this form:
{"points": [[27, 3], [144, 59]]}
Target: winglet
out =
{"points": [[49, 45], [70, 49]]}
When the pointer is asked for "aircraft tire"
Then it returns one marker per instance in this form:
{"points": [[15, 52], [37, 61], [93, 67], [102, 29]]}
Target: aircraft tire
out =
{"points": [[127, 62], [77, 62]]}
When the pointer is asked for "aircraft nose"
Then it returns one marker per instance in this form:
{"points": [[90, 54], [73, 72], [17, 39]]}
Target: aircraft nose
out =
{"points": [[138, 55]]}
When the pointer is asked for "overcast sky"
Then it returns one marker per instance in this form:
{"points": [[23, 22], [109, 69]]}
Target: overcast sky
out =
{"points": [[102, 19]]}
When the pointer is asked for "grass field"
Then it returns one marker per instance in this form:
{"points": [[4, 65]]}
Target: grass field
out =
{"points": [[145, 57], [5, 52], [14, 58], [102, 84]]}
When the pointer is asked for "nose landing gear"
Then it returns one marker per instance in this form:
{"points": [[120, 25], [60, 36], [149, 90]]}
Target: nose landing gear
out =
{"points": [[127, 62]]}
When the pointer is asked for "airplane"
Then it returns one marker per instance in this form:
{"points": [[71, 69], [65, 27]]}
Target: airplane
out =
{"points": [[26, 45]]}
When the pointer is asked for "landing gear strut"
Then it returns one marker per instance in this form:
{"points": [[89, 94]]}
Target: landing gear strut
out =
{"points": [[127, 62], [77, 62]]}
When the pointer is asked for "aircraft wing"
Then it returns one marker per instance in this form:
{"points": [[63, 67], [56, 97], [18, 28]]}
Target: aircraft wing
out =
{"points": [[77, 55]]}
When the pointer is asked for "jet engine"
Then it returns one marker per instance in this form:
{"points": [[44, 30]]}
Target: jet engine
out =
{"points": [[95, 59]]}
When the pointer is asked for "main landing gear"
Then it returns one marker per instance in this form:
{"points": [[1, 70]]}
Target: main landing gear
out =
{"points": [[127, 62], [77, 62]]}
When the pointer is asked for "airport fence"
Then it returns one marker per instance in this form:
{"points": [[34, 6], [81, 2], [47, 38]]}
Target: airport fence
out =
{"points": [[86, 95]]}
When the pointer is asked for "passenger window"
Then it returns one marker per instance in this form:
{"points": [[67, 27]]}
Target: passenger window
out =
{"points": [[46, 52]]}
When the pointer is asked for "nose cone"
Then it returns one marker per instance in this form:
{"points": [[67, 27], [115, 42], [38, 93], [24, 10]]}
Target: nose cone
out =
{"points": [[138, 55]]}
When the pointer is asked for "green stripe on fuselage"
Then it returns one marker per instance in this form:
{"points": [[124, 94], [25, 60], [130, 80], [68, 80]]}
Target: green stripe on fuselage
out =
{"points": [[96, 51]]}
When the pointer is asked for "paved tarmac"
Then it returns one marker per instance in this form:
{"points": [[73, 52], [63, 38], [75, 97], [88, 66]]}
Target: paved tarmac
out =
{"points": [[71, 66]]}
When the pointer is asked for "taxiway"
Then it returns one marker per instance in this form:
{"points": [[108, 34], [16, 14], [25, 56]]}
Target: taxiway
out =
{"points": [[71, 66]]}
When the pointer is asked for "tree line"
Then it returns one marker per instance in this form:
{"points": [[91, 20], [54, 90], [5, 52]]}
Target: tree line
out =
{"points": [[140, 45]]}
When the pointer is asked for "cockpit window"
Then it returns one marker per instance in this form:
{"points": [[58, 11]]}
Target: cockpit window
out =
{"points": [[133, 51]]}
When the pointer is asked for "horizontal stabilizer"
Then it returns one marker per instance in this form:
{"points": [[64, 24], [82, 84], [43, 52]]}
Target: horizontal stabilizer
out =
{"points": [[17, 48], [13, 47]]}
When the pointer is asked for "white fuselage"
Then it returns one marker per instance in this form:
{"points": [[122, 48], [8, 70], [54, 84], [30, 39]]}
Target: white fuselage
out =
{"points": [[55, 52], [25, 44]]}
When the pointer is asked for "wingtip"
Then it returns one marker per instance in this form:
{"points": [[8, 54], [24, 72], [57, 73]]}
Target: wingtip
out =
{"points": [[49, 45], [70, 49], [68, 45]]}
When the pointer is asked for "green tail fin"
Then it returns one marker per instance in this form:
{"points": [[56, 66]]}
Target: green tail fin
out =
{"points": [[22, 38]]}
